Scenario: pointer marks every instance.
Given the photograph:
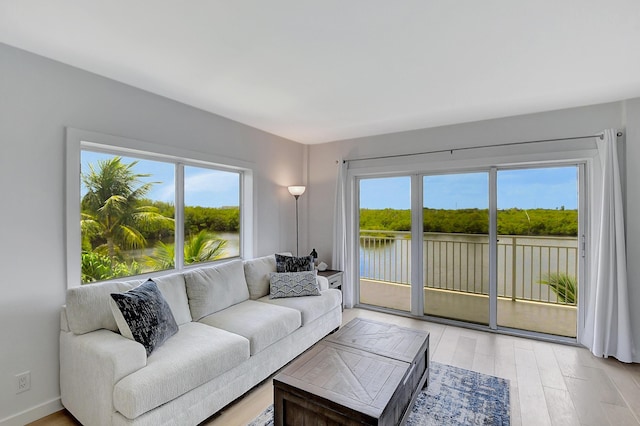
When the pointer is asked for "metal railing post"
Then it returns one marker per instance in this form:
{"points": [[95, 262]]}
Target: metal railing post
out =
{"points": [[383, 261]]}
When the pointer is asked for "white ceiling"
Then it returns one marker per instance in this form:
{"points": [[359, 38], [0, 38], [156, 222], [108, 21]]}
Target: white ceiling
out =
{"points": [[324, 70]]}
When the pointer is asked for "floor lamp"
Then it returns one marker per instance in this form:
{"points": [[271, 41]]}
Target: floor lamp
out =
{"points": [[296, 191]]}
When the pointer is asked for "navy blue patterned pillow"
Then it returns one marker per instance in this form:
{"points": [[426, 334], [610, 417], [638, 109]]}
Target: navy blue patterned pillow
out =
{"points": [[294, 264], [143, 315]]}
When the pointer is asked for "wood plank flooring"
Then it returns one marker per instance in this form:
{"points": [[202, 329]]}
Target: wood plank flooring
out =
{"points": [[551, 384]]}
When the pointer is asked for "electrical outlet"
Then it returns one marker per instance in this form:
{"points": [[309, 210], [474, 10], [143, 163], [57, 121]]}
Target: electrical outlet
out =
{"points": [[23, 382]]}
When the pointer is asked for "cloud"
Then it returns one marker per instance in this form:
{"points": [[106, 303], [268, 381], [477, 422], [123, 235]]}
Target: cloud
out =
{"points": [[203, 187], [165, 192], [211, 188], [210, 181]]}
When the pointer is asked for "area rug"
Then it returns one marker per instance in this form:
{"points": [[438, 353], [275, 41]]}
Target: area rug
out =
{"points": [[455, 396]]}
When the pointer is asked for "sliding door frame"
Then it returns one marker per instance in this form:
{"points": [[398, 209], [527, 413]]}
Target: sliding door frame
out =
{"points": [[493, 248], [581, 158], [354, 249], [583, 166], [417, 278]]}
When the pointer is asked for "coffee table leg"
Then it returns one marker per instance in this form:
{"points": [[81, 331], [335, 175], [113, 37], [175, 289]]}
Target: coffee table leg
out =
{"points": [[278, 406]]}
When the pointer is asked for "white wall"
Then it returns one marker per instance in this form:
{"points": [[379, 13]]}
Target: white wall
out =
{"points": [[38, 98], [554, 124]]}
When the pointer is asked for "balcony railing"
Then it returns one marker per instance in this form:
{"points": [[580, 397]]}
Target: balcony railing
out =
{"points": [[460, 262]]}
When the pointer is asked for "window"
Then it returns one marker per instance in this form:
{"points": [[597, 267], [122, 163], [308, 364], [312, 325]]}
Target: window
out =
{"points": [[211, 214], [128, 209]]}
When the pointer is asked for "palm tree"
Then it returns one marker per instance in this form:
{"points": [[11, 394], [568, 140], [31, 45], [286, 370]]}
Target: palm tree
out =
{"points": [[563, 285], [111, 209], [201, 247]]}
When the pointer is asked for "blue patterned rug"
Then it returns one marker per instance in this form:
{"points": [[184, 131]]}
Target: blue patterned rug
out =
{"points": [[455, 396]]}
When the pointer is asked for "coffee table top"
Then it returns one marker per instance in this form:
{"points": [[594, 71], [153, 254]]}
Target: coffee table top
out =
{"points": [[349, 377], [389, 340]]}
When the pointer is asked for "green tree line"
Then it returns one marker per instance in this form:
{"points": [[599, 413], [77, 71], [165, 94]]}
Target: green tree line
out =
{"points": [[197, 219], [514, 221]]}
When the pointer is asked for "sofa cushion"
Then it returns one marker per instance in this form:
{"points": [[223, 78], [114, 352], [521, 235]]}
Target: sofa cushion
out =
{"points": [[143, 315], [293, 284], [256, 272], [311, 308], [88, 306], [215, 288], [195, 355], [174, 291], [293, 264], [261, 323]]}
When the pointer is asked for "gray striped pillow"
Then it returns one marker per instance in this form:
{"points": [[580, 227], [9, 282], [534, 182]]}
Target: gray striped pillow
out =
{"points": [[293, 284]]}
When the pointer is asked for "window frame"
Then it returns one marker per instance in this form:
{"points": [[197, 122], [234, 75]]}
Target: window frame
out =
{"points": [[78, 140]]}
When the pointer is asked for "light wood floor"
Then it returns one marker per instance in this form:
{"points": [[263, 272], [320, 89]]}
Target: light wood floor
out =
{"points": [[551, 384]]}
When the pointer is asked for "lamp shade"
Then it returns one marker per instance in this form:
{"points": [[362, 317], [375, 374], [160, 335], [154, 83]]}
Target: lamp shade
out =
{"points": [[296, 190]]}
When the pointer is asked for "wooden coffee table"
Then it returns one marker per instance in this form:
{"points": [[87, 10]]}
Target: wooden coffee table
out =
{"points": [[368, 373]]}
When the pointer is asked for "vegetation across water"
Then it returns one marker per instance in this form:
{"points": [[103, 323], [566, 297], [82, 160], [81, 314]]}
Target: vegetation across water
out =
{"points": [[514, 221]]}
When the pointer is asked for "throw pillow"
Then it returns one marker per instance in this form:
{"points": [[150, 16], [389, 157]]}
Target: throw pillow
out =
{"points": [[143, 315], [294, 264], [293, 284]]}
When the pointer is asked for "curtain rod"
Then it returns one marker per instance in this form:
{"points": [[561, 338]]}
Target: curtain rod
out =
{"points": [[601, 136]]}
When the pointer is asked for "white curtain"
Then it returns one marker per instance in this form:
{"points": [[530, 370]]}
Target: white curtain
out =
{"points": [[607, 328], [339, 259]]}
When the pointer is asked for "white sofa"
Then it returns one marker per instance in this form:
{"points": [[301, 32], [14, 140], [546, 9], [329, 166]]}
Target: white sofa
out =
{"points": [[231, 337]]}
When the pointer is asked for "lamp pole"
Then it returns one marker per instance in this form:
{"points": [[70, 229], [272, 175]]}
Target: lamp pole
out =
{"points": [[297, 191], [297, 238]]}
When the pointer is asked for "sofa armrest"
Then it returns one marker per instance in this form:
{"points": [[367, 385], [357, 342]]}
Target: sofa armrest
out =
{"points": [[64, 322], [90, 366], [323, 283]]}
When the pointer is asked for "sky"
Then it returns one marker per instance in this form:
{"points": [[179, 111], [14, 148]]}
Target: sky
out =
{"points": [[204, 187], [548, 188]]}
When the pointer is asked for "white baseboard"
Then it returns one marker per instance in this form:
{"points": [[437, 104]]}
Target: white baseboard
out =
{"points": [[33, 414]]}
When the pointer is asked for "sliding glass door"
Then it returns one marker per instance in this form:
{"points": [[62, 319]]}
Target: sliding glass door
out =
{"points": [[456, 246], [385, 242], [538, 258], [525, 277]]}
